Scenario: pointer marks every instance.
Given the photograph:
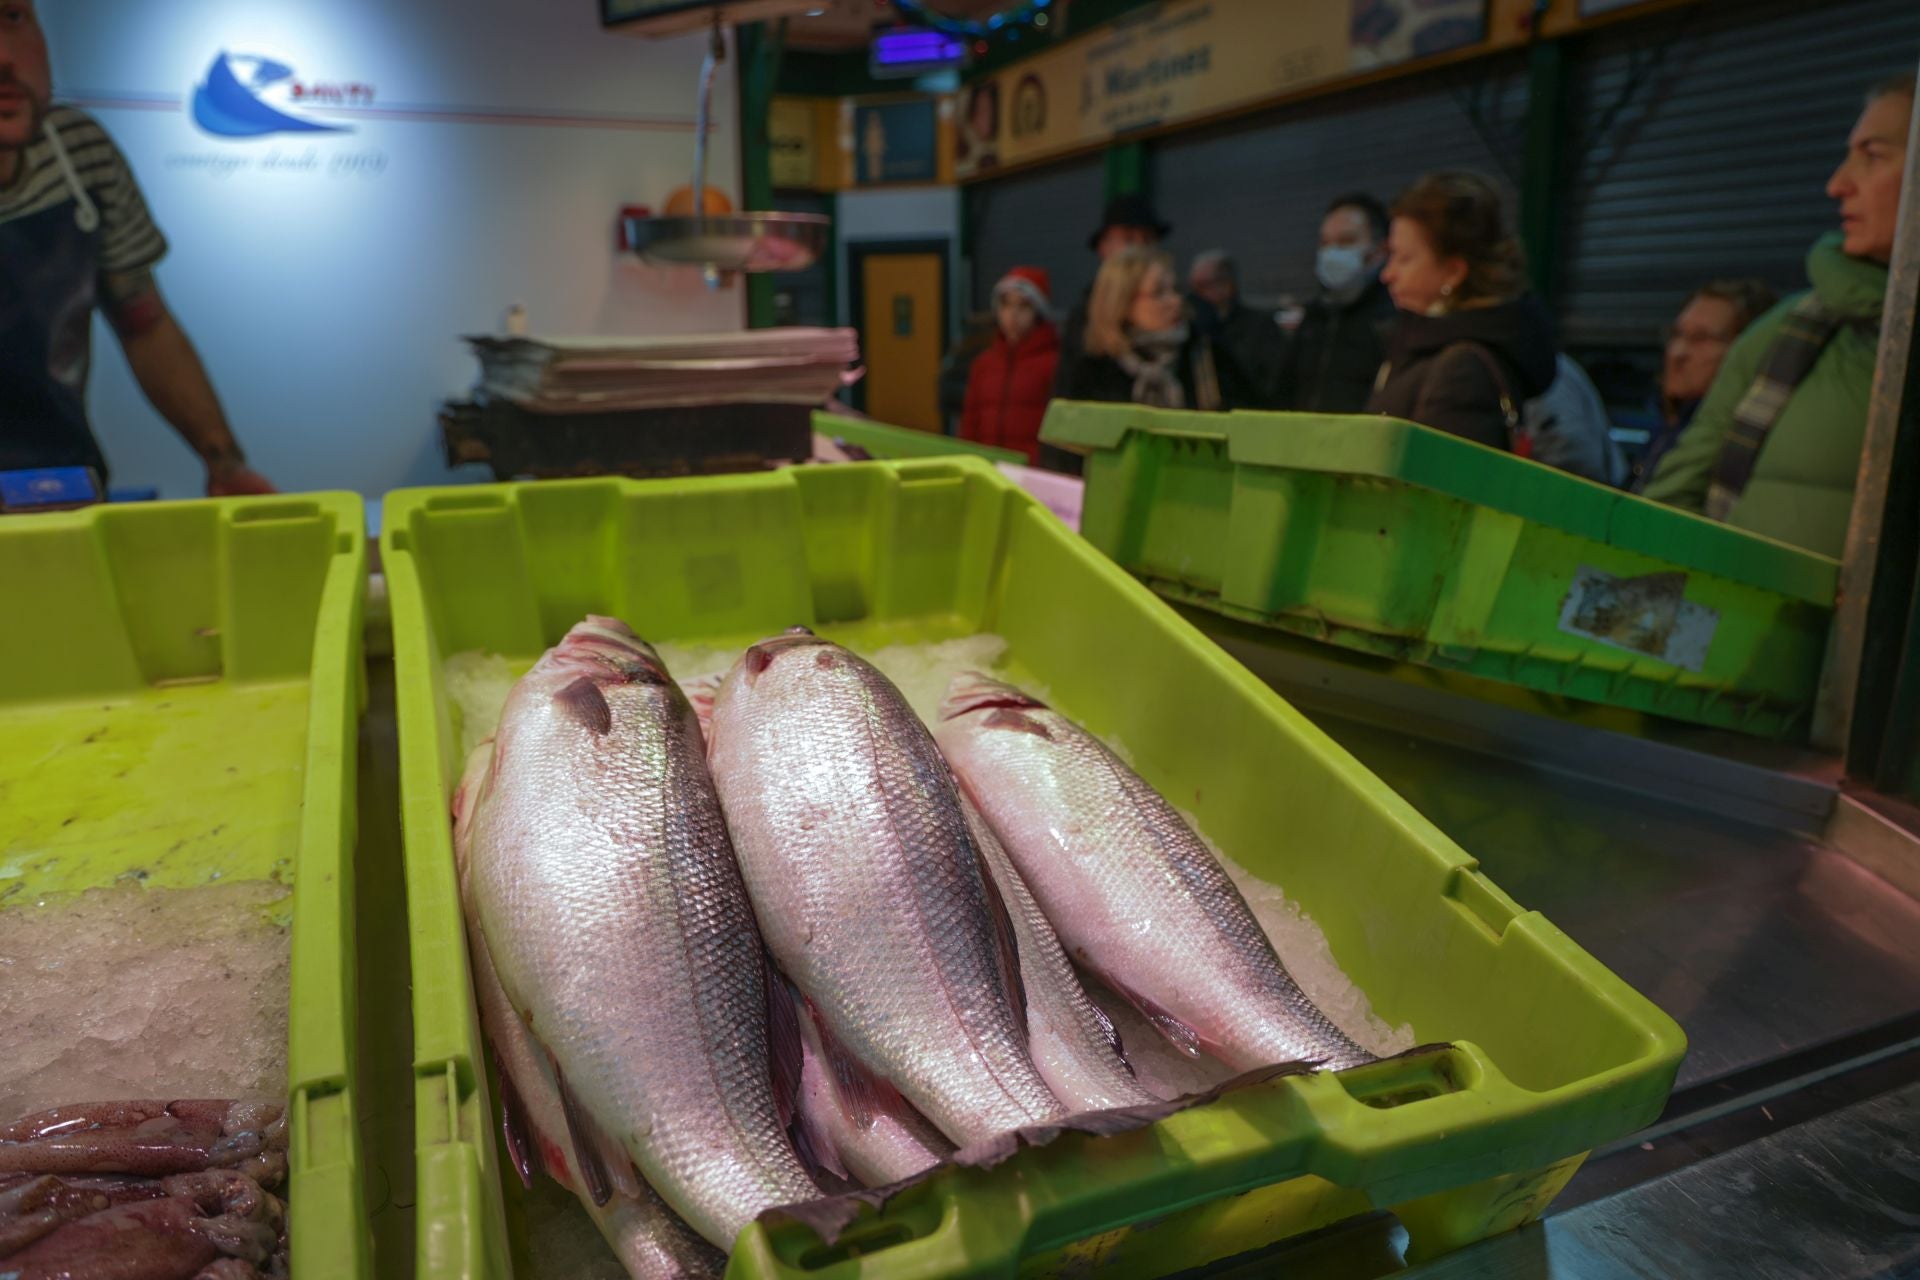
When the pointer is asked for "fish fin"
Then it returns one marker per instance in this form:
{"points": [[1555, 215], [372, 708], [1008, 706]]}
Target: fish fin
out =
{"points": [[1177, 1033], [586, 705], [783, 1042], [1008, 946], [1112, 1035], [587, 1148], [514, 1125], [863, 1093]]}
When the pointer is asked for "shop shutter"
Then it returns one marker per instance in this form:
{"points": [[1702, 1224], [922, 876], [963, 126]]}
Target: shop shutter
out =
{"points": [[1258, 187], [1702, 141], [1039, 218]]}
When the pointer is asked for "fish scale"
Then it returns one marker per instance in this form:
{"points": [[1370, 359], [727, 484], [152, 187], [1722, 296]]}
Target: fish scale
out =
{"points": [[610, 901], [868, 885]]}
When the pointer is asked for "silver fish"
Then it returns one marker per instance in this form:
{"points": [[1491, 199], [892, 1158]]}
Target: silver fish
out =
{"points": [[857, 1126], [606, 894], [868, 885], [650, 1239], [1133, 893], [1072, 1040]]}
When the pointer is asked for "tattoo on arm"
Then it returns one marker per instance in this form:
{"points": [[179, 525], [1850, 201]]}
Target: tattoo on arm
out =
{"points": [[131, 301]]}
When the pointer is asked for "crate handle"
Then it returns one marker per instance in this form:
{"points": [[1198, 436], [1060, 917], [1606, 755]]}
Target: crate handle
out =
{"points": [[989, 1219]]}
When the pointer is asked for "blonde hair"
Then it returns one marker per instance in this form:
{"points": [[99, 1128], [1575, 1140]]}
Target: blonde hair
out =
{"points": [[1113, 292]]}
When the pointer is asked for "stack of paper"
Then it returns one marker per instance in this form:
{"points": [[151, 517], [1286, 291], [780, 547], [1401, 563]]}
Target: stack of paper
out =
{"points": [[582, 375]]}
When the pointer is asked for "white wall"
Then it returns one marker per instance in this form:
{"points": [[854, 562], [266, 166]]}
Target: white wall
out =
{"points": [[328, 306], [907, 213]]}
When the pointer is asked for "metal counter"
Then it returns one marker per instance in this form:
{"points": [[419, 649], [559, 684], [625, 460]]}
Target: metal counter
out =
{"points": [[1776, 918]]}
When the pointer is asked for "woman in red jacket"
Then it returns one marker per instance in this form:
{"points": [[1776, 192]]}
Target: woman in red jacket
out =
{"points": [[1012, 380]]}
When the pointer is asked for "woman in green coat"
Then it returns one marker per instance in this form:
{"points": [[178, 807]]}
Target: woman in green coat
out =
{"points": [[1798, 487]]}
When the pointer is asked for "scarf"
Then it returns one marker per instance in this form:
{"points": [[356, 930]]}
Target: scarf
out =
{"points": [[1788, 359], [1149, 360]]}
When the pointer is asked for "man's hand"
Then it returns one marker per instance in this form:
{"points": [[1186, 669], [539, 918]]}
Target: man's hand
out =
{"points": [[236, 480], [175, 382]]}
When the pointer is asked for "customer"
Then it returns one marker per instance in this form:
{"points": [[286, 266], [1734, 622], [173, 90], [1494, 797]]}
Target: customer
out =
{"points": [[1139, 347], [1247, 345], [1471, 345], [1128, 223], [1697, 341], [1337, 350], [1775, 447], [1012, 380]]}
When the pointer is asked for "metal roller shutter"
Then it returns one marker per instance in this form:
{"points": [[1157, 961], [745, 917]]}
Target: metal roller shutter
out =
{"points": [[1042, 219], [1257, 188], [1702, 143]]}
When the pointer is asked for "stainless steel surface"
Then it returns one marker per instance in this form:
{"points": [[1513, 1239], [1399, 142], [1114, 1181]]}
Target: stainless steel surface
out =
{"points": [[1758, 941], [1732, 775], [1839, 683], [1872, 838], [1836, 1196], [761, 241]]}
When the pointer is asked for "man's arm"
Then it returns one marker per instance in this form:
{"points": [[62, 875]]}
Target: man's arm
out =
{"points": [[1686, 471], [174, 381]]}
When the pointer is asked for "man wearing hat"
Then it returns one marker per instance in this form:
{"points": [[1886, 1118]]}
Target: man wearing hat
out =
{"points": [[1129, 223], [1012, 380]]}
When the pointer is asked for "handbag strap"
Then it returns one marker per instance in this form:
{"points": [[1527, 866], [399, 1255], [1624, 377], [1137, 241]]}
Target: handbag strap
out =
{"points": [[1518, 441]]}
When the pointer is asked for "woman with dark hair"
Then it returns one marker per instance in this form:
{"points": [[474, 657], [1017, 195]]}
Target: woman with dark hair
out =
{"points": [[1470, 345]]}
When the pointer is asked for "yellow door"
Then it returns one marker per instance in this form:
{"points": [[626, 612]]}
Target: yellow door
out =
{"points": [[904, 332]]}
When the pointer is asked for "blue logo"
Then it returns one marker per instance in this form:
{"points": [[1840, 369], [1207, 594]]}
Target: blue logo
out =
{"points": [[228, 102]]}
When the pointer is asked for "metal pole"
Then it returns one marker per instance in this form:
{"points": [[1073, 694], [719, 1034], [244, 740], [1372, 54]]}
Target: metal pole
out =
{"points": [[1875, 558], [716, 51]]}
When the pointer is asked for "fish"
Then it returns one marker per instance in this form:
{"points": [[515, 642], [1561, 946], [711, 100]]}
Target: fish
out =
{"points": [[857, 1126], [651, 1241], [868, 886], [1134, 893], [605, 893], [1070, 1038]]}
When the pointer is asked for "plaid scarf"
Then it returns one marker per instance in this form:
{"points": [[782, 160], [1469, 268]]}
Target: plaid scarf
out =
{"points": [[1789, 357]]}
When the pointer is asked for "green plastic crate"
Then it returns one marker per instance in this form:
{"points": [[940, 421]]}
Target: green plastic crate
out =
{"points": [[893, 443], [1552, 1054], [1403, 541], [207, 657]]}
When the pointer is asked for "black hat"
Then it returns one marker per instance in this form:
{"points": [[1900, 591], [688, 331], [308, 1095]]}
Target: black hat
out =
{"points": [[1129, 211]]}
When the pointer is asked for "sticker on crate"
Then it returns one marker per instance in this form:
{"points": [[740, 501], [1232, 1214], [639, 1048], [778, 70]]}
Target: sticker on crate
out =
{"points": [[1648, 614]]}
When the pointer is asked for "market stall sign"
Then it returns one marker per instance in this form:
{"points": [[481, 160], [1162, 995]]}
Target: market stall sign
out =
{"points": [[1189, 59]]}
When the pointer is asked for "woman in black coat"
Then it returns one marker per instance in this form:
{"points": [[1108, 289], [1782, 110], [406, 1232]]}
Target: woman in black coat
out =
{"points": [[1471, 345]]}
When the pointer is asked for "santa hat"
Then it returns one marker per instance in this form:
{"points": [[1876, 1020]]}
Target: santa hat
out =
{"points": [[1033, 283]]}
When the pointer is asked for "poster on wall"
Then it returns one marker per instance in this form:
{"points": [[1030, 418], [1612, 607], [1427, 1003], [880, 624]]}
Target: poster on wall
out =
{"points": [[896, 142], [1187, 59]]}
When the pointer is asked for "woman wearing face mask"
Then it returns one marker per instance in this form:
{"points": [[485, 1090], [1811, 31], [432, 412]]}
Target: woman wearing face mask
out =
{"points": [[1012, 380], [1139, 348], [1471, 344]]}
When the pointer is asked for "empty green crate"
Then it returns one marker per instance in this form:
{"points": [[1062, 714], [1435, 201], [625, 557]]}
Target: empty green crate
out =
{"points": [[1394, 539], [1550, 1053]]}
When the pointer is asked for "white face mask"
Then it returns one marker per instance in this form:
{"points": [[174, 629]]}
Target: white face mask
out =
{"points": [[1339, 265]]}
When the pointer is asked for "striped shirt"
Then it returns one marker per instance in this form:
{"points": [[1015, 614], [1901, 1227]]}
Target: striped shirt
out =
{"points": [[54, 260], [129, 240]]}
